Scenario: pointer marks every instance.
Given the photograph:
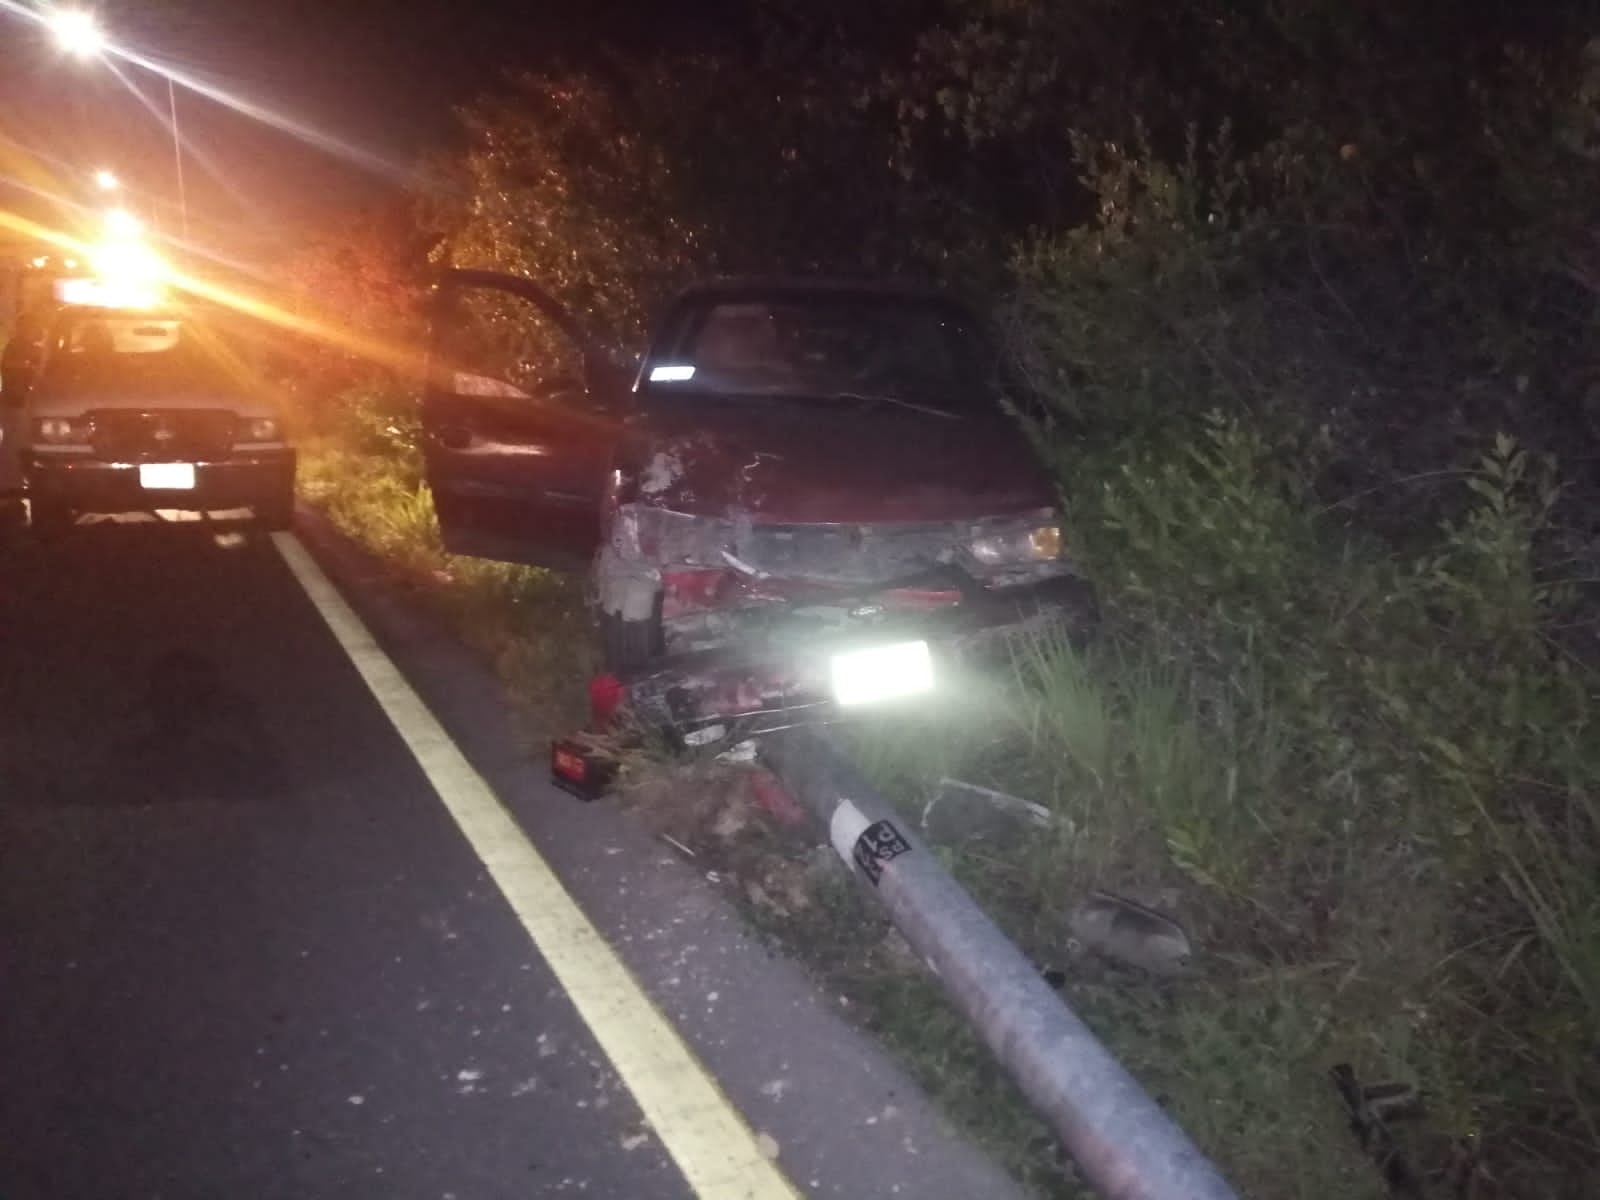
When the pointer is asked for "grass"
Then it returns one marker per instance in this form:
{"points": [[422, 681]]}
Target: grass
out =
{"points": [[531, 623], [1362, 887], [1371, 805], [1240, 1051]]}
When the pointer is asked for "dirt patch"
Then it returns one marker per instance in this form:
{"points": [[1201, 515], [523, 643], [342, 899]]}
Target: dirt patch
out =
{"points": [[736, 823]]}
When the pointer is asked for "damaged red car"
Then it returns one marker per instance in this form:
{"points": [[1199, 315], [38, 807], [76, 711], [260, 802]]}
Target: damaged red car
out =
{"points": [[803, 494]]}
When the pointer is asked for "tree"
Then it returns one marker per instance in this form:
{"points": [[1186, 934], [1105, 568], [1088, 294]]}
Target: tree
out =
{"points": [[357, 281]]}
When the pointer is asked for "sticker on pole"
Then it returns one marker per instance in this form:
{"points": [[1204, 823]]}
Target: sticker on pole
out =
{"points": [[879, 843]]}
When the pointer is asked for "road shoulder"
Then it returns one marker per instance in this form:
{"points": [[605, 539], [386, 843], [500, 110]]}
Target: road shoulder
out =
{"points": [[846, 1120]]}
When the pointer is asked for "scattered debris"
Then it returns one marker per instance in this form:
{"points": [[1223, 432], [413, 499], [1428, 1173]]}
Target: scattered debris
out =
{"points": [[705, 736], [1372, 1109], [733, 820], [779, 885], [677, 845], [775, 1089], [768, 1145], [1130, 933], [743, 752], [769, 795], [960, 812]]}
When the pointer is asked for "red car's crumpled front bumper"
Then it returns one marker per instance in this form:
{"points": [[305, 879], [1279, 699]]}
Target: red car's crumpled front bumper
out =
{"points": [[768, 667]]}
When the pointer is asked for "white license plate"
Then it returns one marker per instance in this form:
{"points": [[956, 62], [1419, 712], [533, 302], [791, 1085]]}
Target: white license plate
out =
{"points": [[166, 477], [882, 673]]}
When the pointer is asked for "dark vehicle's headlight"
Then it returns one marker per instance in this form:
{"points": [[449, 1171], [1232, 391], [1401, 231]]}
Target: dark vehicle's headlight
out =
{"points": [[259, 429], [1041, 543], [59, 429]]}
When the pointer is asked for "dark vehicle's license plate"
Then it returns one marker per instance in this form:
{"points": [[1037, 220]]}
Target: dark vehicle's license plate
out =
{"points": [[166, 477]]}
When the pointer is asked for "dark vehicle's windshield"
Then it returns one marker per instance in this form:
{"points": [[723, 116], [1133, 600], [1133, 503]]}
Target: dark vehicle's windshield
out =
{"points": [[828, 346], [140, 354]]}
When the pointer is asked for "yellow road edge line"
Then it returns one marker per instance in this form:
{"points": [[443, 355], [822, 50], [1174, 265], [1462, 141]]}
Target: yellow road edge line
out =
{"points": [[715, 1149]]}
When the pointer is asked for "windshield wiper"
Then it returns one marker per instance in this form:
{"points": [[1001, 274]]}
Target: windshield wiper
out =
{"points": [[880, 398]]}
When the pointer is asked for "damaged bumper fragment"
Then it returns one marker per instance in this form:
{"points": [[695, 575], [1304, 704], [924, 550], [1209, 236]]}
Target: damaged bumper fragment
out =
{"points": [[756, 619], [749, 656]]}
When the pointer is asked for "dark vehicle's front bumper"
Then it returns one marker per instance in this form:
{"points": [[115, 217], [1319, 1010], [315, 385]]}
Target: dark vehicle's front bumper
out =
{"points": [[92, 485], [748, 688]]}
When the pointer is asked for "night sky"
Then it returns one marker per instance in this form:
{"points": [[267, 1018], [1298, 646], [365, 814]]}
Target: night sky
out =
{"points": [[379, 77]]}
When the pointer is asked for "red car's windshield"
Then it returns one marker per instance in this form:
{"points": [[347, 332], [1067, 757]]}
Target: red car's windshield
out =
{"points": [[827, 346]]}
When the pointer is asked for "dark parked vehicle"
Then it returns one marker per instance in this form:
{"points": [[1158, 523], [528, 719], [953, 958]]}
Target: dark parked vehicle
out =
{"points": [[149, 409], [805, 493]]}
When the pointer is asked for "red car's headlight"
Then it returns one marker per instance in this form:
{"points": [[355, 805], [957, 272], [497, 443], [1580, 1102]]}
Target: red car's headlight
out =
{"points": [[259, 429]]}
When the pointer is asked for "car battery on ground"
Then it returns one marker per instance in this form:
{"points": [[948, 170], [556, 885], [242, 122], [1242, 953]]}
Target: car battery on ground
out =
{"points": [[582, 765]]}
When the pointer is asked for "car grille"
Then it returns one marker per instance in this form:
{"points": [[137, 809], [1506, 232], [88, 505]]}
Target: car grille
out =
{"points": [[168, 435], [847, 554]]}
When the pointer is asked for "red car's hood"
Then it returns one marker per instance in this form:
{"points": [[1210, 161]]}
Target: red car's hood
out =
{"points": [[795, 462]]}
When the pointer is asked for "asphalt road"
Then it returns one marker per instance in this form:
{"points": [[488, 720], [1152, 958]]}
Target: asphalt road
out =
{"points": [[243, 950], [247, 952]]}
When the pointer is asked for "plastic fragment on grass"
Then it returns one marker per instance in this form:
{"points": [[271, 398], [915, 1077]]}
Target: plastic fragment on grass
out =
{"points": [[1132, 934]]}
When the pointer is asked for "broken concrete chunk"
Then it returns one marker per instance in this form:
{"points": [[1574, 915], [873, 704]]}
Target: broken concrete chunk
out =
{"points": [[961, 812], [1131, 933]]}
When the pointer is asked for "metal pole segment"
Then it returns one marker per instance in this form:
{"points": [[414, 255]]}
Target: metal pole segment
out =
{"points": [[177, 155], [1124, 1143]]}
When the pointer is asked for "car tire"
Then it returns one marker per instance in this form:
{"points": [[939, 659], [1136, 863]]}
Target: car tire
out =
{"points": [[12, 518], [627, 647], [1080, 619], [50, 518], [276, 513]]}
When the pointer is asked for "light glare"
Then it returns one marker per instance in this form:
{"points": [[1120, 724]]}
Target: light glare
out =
{"points": [[99, 293], [77, 32], [882, 673], [122, 223], [671, 374]]}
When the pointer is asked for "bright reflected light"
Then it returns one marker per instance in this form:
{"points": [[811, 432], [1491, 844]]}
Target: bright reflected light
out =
{"points": [[106, 181], [400, 355], [77, 31], [122, 223], [129, 261], [127, 274], [882, 673], [671, 374], [101, 293]]}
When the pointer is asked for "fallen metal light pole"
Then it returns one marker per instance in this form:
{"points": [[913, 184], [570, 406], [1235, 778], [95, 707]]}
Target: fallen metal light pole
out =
{"points": [[1125, 1145]]}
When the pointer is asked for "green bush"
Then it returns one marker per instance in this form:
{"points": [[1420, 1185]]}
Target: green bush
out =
{"points": [[1344, 732]]}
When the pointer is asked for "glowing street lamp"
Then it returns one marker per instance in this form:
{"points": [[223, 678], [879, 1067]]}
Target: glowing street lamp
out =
{"points": [[77, 31], [106, 181]]}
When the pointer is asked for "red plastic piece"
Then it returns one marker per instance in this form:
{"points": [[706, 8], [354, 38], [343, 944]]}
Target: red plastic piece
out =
{"points": [[774, 799], [606, 694]]}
